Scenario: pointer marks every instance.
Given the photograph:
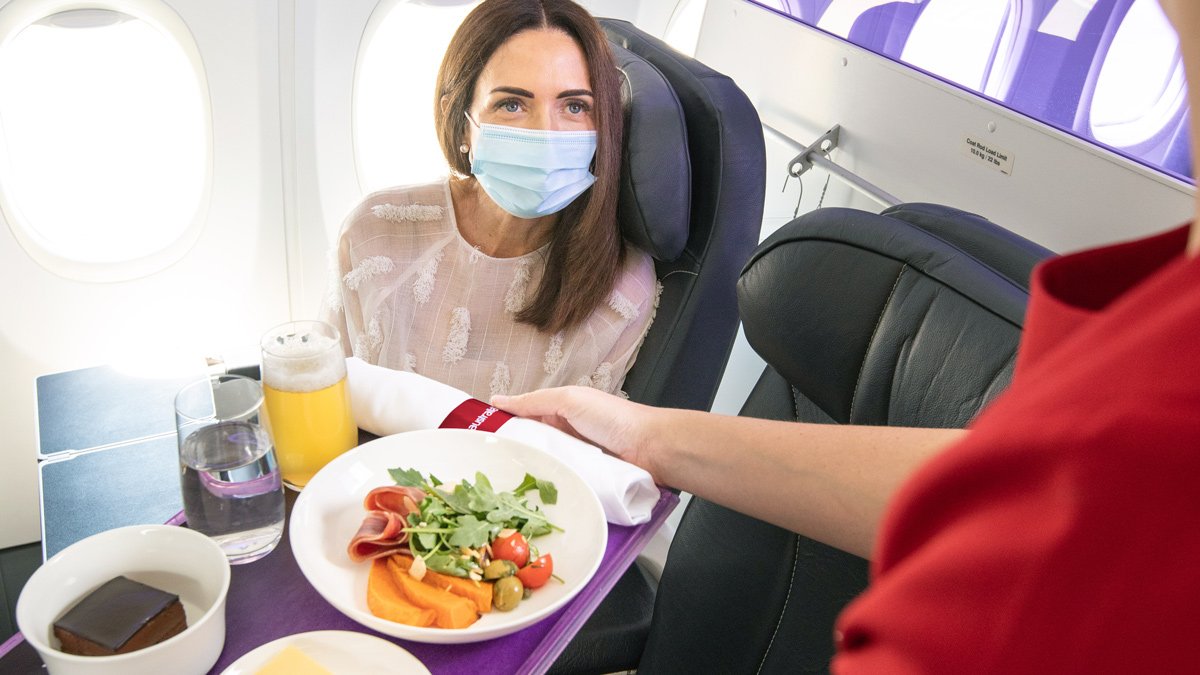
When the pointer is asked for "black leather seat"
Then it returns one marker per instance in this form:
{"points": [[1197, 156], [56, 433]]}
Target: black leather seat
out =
{"points": [[693, 197], [911, 318], [694, 181]]}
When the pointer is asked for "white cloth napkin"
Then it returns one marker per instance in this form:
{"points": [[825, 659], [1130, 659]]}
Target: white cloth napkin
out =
{"points": [[386, 401]]}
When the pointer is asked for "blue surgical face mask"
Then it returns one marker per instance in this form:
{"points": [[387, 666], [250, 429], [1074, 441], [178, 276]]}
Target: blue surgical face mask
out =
{"points": [[532, 172]]}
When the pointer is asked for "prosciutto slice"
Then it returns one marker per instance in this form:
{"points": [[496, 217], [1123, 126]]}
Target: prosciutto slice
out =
{"points": [[382, 531]]}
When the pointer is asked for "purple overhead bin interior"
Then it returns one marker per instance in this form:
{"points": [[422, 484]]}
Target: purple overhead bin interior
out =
{"points": [[1045, 63]]}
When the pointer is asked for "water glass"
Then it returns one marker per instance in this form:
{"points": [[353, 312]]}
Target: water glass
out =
{"points": [[304, 383], [231, 486]]}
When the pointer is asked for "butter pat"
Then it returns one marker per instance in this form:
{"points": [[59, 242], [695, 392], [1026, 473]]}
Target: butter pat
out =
{"points": [[292, 661]]}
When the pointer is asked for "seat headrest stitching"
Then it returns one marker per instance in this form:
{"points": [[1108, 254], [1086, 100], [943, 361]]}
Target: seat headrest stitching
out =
{"points": [[674, 272], [875, 331], [795, 402], [786, 596]]}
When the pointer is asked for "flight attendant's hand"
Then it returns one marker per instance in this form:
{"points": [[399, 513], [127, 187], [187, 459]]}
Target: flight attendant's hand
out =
{"points": [[619, 426]]}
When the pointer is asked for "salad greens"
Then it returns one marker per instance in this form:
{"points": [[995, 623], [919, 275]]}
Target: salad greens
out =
{"points": [[454, 526]]}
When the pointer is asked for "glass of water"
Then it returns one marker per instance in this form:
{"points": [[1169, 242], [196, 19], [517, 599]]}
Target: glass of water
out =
{"points": [[228, 473]]}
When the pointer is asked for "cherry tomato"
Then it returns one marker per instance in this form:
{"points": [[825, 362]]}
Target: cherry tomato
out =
{"points": [[537, 573], [513, 548]]}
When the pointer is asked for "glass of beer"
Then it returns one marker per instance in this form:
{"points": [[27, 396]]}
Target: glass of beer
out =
{"points": [[304, 384]]}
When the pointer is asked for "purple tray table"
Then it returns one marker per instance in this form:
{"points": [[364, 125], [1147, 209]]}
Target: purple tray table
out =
{"points": [[257, 612]]}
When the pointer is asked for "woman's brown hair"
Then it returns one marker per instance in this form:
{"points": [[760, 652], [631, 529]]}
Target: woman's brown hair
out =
{"points": [[586, 249]]}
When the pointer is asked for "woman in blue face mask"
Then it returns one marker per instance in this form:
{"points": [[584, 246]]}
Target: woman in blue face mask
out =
{"points": [[511, 275]]}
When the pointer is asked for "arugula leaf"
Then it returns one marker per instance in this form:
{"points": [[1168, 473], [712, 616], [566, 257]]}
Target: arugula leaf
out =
{"points": [[527, 483], [483, 497], [428, 540], [459, 499], [534, 528], [547, 491], [545, 488], [436, 510], [446, 564], [408, 477], [471, 532], [500, 516], [516, 509]]}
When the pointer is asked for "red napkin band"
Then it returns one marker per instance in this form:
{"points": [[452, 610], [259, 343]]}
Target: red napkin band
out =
{"points": [[475, 414]]}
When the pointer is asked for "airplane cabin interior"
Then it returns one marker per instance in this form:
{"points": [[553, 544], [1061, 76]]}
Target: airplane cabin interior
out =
{"points": [[843, 201]]}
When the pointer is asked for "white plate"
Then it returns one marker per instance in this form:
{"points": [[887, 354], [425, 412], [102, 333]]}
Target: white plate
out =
{"points": [[329, 511], [339, 651]]}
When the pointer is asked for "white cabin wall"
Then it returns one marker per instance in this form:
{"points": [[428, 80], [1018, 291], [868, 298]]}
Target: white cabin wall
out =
{"points": [[228, 288], [322, 176]]}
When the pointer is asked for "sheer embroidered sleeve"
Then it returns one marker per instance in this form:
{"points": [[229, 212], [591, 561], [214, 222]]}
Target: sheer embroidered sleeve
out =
{"points": [[626, 316]]}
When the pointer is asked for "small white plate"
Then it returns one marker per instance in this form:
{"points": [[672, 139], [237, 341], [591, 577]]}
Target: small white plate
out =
{"points": [[329, 511], [339, 651]]}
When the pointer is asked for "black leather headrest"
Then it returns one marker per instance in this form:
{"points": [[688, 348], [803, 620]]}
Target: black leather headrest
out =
{"points": [[655, 198], [1012, 256], [827, 278]]}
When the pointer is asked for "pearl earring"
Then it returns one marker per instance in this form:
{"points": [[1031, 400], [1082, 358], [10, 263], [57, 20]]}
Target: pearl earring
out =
{"points": [[464, 148]]}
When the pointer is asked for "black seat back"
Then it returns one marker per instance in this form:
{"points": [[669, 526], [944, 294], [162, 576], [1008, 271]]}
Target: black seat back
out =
{"points": [[908, 318], [716, 163]]}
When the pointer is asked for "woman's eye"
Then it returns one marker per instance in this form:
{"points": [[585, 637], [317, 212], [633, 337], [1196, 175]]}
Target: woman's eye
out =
{"points": [[509, 106], [577, 107]]}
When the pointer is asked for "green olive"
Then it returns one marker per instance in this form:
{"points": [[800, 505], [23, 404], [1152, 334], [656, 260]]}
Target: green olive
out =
{"points": [[498, 569], [506, 593]]}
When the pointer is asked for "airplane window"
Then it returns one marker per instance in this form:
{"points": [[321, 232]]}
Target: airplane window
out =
{"points": [[683, 30], [394, 137], [104, 142], [1141, 86], [939, 44]]}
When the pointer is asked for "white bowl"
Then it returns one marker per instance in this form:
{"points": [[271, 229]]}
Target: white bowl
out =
{"points": [[173, 559]]}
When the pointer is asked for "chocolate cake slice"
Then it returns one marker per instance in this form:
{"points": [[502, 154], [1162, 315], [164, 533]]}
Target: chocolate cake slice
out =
{"points": [[120, 616]]}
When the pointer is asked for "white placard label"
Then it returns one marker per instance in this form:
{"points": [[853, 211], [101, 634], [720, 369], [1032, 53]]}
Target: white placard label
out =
{"points": [[1000, 160]]}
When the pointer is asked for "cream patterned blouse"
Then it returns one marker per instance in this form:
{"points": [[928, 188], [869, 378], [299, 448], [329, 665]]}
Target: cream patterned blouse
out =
{"points": [[412, 294]]}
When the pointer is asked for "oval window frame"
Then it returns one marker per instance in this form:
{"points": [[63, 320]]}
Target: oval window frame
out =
{"points": [[1158, 118], [18, 15], [363, 175]]}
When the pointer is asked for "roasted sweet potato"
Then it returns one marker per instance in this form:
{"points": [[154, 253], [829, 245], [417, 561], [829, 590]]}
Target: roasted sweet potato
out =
{"points": [[478, 592], [385, 600], [452, 611]]}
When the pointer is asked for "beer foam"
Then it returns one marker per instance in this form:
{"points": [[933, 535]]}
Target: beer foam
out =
{"points": [[302, 362]]}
